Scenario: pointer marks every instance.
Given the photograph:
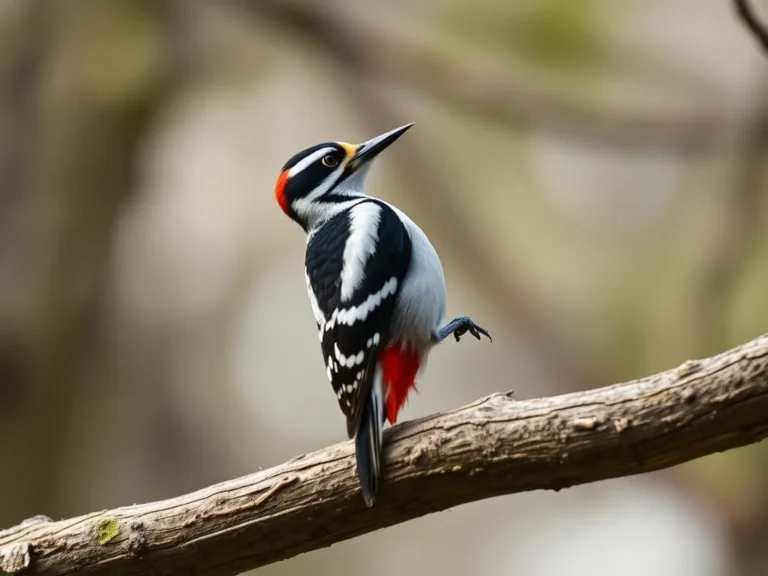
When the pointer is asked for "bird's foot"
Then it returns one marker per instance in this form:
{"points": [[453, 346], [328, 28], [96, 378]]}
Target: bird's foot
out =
{"points": [[460, 326]]}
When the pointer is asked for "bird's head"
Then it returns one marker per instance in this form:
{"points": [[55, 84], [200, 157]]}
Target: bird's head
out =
{"points": [[316, 183]]}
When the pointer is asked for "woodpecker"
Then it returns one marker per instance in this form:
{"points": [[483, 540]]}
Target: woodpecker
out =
{"points": [[375, 285]]}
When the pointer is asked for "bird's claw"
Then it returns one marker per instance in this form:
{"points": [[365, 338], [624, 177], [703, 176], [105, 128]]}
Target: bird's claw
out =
{"points": [[473, 329], [458, 327]]}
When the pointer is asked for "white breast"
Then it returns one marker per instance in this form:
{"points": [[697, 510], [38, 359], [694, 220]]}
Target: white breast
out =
{"points": [[421, 304]]}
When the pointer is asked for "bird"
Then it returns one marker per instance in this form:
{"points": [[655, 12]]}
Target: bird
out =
{"points": [[376, 289]]}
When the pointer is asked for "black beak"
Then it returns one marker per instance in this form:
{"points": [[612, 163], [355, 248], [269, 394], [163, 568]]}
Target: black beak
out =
{"points": [[368, 150]]}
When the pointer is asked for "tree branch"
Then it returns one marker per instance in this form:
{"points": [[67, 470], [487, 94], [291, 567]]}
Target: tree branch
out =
{"points": [[492, 447]]}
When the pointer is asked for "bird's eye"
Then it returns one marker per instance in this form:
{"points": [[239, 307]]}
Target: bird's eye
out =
{"points": [[330, 160]]}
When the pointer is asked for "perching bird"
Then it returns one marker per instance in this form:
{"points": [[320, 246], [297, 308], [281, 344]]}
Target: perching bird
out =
{"points": [[375, 285]]}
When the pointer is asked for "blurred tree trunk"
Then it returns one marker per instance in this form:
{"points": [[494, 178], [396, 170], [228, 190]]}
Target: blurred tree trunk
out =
{"points": [[81, 81]]}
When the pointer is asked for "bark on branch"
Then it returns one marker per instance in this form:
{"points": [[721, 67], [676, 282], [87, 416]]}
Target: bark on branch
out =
{"points": [[492, 447]]}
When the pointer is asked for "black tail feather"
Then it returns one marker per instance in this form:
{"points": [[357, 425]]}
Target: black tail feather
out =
{"points": [[368, 442]]}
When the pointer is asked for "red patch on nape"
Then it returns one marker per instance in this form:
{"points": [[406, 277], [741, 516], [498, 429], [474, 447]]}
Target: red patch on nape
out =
{"points": [[399, 366], [282, 180]]}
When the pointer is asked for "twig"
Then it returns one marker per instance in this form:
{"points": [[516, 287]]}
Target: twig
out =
{"points": [[752, 22], [492, 447]]}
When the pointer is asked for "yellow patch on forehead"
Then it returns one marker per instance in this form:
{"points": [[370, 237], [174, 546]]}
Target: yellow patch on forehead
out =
{"points": [[350, 149]]}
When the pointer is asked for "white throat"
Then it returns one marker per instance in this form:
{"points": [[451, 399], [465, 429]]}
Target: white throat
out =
{"points": [[330, 198]]}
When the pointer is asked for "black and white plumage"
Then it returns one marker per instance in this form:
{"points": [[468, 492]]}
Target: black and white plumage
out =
{"points": [[355, 265], [375, 286]]}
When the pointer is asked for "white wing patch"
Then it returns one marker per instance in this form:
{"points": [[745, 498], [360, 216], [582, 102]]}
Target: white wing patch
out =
{"points": [[348, 361], [360, 312], [364, 233]]}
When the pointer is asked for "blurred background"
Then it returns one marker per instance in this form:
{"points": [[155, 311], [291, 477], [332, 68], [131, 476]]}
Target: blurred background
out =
{"points": [[592, 173]]}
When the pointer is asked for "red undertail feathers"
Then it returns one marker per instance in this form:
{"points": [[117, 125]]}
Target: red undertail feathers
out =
{"points": [[399, 366]]}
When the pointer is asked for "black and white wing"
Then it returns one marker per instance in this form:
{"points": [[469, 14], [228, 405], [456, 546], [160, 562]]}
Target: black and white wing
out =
{"points": [[355, 265]]}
